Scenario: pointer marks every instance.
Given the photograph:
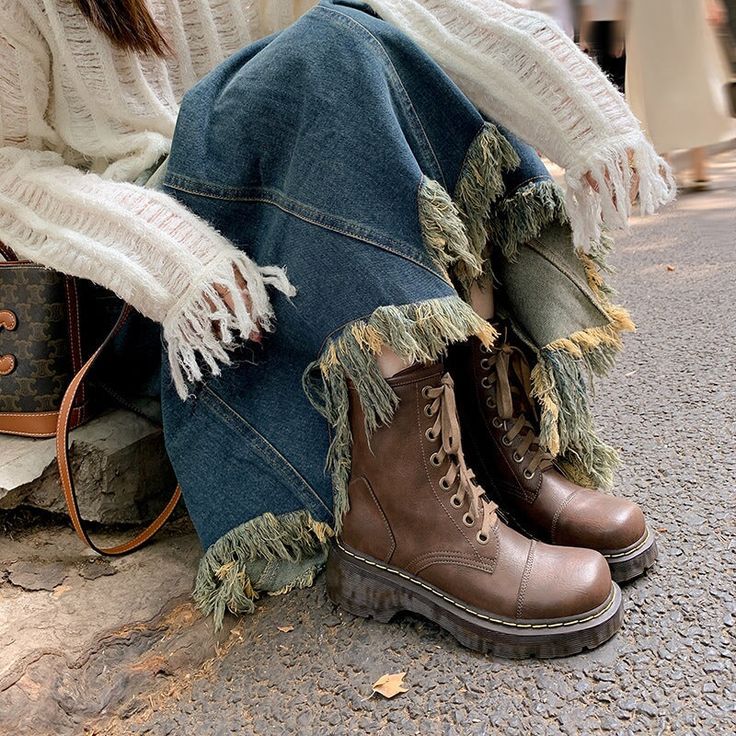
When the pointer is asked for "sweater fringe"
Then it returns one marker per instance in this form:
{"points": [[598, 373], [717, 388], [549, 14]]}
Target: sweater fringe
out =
{"points": [[193, 323], [607, 205]]}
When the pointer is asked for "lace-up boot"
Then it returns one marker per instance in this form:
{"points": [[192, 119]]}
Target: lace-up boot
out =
{"points": [[422, 536], [499, 426]]}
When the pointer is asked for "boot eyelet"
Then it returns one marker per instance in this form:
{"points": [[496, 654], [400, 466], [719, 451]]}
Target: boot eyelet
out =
{"points": [[528, 475], [518, 458], [485, 364], [428, 410], [490, 403], [444, 485], [455, 501], [425, 391], [468, 520], [482, 538], [484, 349], [485, 382], [505, 441], [435, 460], [497, 422], [430, 435]]}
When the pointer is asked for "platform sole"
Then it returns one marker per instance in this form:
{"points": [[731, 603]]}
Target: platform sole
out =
{"points": [[365, 587], [631, 563]]}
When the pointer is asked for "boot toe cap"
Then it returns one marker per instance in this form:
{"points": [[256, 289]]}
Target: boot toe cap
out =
{"points": [[564, 582], [601, 522], [626, 527]]}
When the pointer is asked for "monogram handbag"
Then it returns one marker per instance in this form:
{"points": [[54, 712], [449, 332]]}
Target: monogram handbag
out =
{"points": [[43, 371], [40, 347]]}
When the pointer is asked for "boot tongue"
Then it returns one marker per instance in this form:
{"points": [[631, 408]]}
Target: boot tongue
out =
{"points": [[418, 372], [504, 398]]}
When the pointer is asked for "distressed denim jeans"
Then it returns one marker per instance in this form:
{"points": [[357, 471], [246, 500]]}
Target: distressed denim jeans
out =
{"points": [[341, 151]]}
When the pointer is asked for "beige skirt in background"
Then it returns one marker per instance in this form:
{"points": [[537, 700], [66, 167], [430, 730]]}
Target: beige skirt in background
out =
{"points": [[676, 75]]}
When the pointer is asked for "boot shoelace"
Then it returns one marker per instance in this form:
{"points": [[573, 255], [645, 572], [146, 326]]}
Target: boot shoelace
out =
{"points": [[508, 382], [460, 477]]}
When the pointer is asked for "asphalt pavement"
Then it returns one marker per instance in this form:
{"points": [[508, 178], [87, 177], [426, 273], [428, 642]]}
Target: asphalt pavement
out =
{"points": [[671, 409]]}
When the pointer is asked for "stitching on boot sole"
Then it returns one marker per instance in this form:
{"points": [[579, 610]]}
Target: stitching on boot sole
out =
{"points": [[476, 613], [643, 541]]}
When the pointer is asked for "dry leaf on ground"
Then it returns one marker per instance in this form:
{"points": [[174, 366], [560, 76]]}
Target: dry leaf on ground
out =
{"points": [[285, 629], [390, 685]]}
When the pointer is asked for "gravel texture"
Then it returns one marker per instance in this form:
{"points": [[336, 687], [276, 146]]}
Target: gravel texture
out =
{"points": [[671, 408]]}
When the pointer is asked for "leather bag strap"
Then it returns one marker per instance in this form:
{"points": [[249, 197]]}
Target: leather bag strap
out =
{"points": [[7, 253], [62, 457]]}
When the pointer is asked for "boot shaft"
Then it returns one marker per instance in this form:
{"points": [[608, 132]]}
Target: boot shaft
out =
{"points": [[400, 499]]}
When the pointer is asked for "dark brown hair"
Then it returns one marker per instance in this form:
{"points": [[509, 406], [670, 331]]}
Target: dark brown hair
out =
{"points": [[127, 23]]}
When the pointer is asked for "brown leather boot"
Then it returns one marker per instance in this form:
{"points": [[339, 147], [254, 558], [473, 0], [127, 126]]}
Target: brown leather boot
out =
{"points": [[498, 423], [422, 536]]}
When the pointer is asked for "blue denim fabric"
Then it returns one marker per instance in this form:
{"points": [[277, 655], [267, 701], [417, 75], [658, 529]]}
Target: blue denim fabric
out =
{"points": [[531, 169], [308, 149]]}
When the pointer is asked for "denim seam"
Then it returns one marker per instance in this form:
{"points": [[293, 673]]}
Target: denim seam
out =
{"points": [[278, 202], [586, 291], [396, 78], [467, 156], [418, 198], [268, 195], [265, 447]]}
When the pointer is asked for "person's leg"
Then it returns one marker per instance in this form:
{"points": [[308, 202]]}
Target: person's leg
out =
{"points": [[500, 421], [382, 228], [699, 162], [366, 236], [422, 535], [389, 363], [481, 298], [524, 403]]}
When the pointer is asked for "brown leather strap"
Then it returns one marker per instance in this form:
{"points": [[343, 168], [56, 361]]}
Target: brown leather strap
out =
{"points": [[62, 457], [7, 253], [29, 424]]}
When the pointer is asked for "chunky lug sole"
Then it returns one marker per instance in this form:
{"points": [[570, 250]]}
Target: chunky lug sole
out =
{"points": [[368, 588], [630, 563]]}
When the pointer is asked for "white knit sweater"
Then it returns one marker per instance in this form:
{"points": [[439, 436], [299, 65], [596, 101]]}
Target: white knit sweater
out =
{"points": [[80, 119]]}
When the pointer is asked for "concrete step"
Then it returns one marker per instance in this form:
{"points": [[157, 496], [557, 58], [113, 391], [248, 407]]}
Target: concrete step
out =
{"points": [[119, 463]]}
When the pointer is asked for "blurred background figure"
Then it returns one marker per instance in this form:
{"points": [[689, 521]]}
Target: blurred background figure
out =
{"points": [[677, 77], [561, 10], [602, 35]]}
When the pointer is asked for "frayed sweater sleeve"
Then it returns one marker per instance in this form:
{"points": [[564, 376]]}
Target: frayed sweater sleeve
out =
{"points": [[521, 69], [143, 245]]}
